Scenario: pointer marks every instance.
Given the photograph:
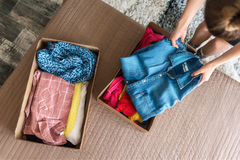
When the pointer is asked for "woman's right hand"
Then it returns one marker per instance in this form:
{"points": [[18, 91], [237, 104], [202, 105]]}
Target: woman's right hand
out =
{"points": [[176, 34]]}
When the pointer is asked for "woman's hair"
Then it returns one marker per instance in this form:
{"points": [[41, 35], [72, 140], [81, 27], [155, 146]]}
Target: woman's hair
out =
{"points": [[223, 18]]}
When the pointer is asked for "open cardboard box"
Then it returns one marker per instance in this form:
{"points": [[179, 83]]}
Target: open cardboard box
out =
{"points": [[42, 44], [144, 128]]}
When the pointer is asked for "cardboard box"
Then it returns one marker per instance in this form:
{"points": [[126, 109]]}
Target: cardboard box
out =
{"points": [[144, 128], [42, 44]]}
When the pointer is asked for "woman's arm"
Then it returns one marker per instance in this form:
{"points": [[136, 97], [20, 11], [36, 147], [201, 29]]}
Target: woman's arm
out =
{"points": [[208, 68], [189, 12]]}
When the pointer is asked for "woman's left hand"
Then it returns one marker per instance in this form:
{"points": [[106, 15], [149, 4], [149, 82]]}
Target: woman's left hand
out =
{"points": [[206, 72]]}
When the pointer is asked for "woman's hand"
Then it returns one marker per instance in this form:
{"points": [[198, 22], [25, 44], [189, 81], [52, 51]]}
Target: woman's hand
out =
{"points": [[208, 68], [190, 10], [178, 33], [206, 72]]}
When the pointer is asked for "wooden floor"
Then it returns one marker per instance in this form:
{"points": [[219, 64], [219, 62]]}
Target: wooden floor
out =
{"points": [[21, 21]]}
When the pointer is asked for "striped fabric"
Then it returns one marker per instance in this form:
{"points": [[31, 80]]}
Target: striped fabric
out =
{"points": [[48, 108]]}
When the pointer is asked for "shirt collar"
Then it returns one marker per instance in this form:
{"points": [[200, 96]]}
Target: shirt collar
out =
{"points": [[180, 57]]}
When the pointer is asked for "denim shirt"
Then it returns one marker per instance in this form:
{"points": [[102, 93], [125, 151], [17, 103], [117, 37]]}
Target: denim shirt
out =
{"points": [[159, 75]]}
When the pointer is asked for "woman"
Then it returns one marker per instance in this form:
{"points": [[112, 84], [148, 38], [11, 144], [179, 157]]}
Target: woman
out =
{"points": [[222, 20]]}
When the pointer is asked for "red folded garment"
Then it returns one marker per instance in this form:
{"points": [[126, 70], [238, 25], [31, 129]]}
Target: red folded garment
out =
{"points": [[126, 106], [111, 95]]}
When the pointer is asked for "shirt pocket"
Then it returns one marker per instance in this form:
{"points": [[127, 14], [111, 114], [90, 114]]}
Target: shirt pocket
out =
{"points": [[143, 103]]}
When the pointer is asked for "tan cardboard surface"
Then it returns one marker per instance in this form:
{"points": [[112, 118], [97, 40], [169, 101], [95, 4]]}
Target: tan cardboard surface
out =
{"points": [[205, 125]]}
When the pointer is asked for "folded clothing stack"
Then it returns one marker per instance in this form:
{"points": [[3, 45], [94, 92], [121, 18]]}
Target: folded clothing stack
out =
{"points": [[159, 75], [55, 109], [116, 95]]}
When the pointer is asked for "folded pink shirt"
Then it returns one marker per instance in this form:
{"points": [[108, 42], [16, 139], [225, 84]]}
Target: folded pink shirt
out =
{"points": [[48, 107], [111, 95]]}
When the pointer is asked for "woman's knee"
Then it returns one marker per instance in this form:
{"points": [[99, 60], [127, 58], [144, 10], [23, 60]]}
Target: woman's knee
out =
{"points": [[215, 46], [221, 43]]}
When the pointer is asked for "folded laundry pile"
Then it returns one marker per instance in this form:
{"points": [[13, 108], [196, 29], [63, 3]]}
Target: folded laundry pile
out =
{"points": [[116, 95], [55, 109], [155, 77], [159, 75]]}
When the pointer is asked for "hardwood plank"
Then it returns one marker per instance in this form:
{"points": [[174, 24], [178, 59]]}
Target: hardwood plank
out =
{"points": [[5, 8], [5, 71], [28, 17], [9, 29], [11, 2], [10, 53], [25, 39], [45, 7]]}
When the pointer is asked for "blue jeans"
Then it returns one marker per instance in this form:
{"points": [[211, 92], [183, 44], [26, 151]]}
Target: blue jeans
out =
{"points": [[159, 75]]}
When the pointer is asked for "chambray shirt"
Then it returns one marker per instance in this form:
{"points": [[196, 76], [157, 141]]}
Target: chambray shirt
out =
{"points": [[159, 75]]}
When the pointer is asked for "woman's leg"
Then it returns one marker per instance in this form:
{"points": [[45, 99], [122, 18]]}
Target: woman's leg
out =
{"points": [[215, 46], [201, 34]]}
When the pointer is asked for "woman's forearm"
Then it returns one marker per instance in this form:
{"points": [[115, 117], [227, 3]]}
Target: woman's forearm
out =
{"points": [[231, 54], [181, 30], [189, 12]]}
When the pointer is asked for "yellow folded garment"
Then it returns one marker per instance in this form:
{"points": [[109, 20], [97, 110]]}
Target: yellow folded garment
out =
{"points": [[135, 117], [74, 109], [123, 91]]}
